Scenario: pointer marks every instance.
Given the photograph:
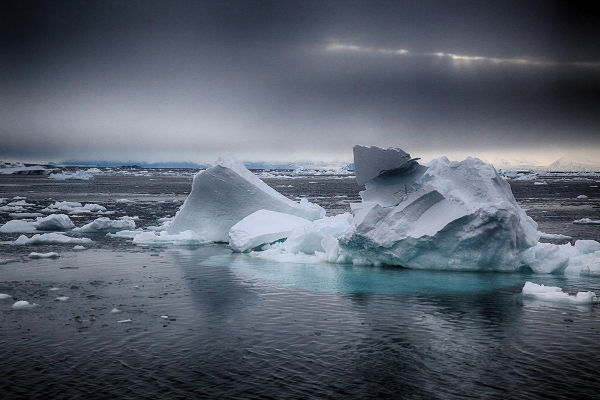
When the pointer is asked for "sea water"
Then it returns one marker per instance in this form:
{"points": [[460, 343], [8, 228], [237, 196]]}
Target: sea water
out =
{"points": [[203, 322]]}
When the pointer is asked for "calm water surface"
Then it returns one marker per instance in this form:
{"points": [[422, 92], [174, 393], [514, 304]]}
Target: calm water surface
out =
{"points": [[206, 323]]}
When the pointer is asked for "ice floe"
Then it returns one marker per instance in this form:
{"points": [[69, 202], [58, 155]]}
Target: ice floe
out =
{"points": [[54, 222], [104, 224], [556, 295], [4, 296], [50, 238], [263, 227], [185, 238], [23, 304], [556, 236], [587, 221], [224, 194], [78, 175]]}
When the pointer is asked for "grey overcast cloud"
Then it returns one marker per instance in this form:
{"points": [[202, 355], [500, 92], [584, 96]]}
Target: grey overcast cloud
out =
{"points": [[293, 80]]}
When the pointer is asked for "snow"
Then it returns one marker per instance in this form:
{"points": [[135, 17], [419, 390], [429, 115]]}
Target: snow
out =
{"points": [[78, 175], [441, 215], [586, 221], [104, 224], [50, 238], [35, 255], [555, 294], [23, 304], [185, 238], [224, 194], [263, 227]]}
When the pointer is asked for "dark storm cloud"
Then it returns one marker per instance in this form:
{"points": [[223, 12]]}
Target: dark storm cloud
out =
{"points": [[282, 79]]}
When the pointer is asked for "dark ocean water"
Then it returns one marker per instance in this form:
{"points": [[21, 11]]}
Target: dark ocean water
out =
{"points": [[207, 323]]}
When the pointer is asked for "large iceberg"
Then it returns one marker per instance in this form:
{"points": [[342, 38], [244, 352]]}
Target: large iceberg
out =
{"points": [[440, 215], [225, 194]]}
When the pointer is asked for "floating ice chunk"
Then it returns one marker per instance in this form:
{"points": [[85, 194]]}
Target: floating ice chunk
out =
{"points": [[544, 235], [442, 215], [23, 304], [50, 238], [546, 258], [262, 227], [54, 289], [164, 316], [79, 175], [226, 193], [54, 222], [555, 294], [582, 196], [21, 203], [587, 246], [185, 238], [4, 296], [104, 224], [123, 201], [308, 238], [35, 255], [62, 298], [125, 321], [540, 183], [18, 226], [79, 248], [586, 221], [370, 162], [25, 215], [115, 311], [125, 234]]}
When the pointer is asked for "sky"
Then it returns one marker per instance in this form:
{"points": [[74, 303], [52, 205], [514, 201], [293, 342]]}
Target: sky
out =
{"points": [[298, 80]]}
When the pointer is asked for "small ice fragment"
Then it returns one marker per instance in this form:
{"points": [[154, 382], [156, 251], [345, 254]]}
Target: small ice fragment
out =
{"points": [[125, 321], [115, 311], [34, 255], [582, 196], [62, 298], [78, 247], [4, 296], [24, 304], [164, 316], [555, 294], [586, 221]]}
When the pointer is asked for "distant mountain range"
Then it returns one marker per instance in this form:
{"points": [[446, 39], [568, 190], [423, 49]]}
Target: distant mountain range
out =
{"points": [[563, 164], [186, 164]]}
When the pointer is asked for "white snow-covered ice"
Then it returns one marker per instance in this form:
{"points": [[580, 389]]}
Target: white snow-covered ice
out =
{"points": [[555, 294], [263, 227], [50, 238], [52, 254], [104, 224], [224, 194]]}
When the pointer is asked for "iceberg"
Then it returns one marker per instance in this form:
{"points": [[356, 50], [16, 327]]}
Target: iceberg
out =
{"points": [[50, 238], [54, 222], [440, 215], [226, 193], [263, 227]]}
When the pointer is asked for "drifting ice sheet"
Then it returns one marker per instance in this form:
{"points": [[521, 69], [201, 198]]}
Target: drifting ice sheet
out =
{"points": [[226, 193]]}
